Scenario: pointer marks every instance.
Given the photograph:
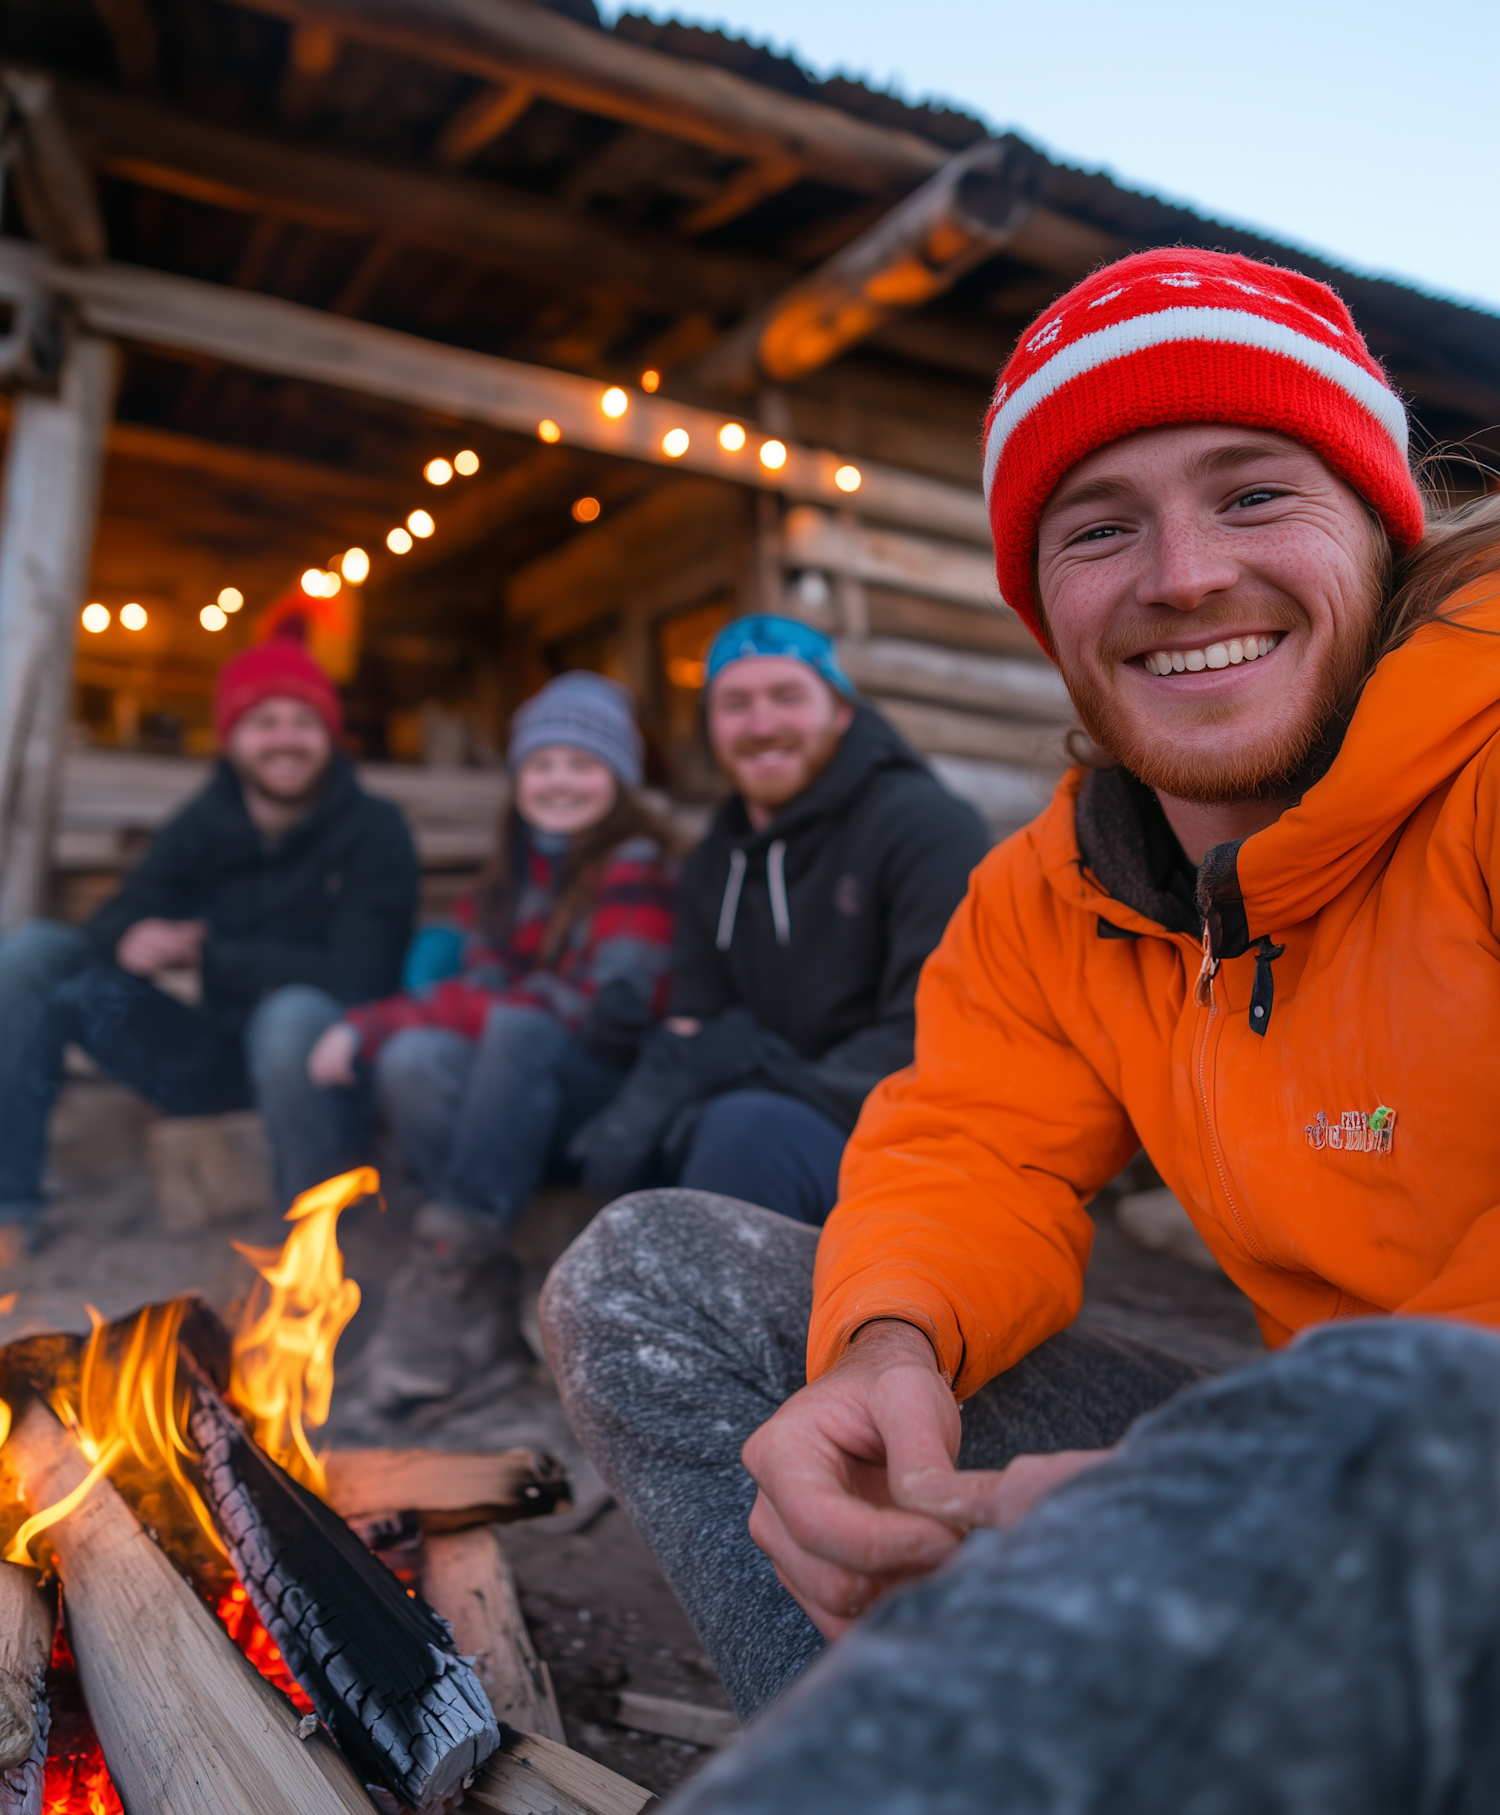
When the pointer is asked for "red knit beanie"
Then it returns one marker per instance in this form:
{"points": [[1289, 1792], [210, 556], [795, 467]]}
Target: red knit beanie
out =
{"points": [[280, 669], [1180, 336]]}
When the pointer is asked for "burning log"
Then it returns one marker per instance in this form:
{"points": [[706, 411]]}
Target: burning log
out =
{"points": [[28, 1620], [378, 1664], [187, 1725], [447, 1490]]}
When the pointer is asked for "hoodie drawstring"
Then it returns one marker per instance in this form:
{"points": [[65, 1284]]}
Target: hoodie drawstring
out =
{"points": [[731, 903], [781, 913], [1264, 993]]}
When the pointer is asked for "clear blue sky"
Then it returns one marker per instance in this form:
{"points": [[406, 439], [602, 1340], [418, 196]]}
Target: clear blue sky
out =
{"points": [[1366, 131]]}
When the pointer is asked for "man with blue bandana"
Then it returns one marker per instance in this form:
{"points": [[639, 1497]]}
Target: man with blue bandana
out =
{"points": [[804, 918]]}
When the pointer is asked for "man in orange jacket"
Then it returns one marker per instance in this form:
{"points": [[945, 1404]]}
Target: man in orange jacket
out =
{"points": [[1265, 945]]}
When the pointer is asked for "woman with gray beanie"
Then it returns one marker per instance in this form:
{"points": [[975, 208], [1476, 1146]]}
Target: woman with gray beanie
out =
{"points": [[485, 1075]]}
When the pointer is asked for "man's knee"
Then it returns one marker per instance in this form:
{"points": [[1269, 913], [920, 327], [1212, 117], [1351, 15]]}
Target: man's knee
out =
{"points": [[42, 952], [526, 1033], [284, 1029]]}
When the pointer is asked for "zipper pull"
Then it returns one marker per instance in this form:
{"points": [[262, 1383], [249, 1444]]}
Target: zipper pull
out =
{"points": [[1203, 989]]}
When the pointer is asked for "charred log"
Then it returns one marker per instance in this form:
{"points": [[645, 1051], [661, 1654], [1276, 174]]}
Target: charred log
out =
{"points": [[28, 1619], [378, 1664]]}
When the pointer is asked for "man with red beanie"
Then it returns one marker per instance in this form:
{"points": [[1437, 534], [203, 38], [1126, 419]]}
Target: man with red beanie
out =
{"points": [[1263, 943], [292, 893]]}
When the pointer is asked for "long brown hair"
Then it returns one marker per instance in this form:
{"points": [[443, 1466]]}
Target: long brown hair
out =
{"points": [[1461, 545], [499, 885]]}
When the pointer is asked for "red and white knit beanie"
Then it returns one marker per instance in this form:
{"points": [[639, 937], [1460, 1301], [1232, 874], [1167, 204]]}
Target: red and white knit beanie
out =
{"points": [[1180, 336]]}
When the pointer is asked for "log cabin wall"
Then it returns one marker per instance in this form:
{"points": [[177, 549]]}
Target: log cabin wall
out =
{"points": [[653, 206]]}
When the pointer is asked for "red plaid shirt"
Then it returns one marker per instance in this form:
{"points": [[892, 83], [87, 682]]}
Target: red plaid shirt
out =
{"points": [[628, 936]]}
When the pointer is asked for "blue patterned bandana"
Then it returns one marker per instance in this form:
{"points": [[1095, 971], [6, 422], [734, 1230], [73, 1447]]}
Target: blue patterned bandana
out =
{"points": [[767, 635]]}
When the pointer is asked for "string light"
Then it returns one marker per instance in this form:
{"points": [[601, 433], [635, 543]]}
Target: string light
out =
{"points": [[585, 510], [320, 585], [731, 437], [650, 381], [614, 402], [211, 618], [133, 617], [398, 542], [437, 472], [355, 566], [466, 462], [96, 618], [547, 430], [847, 478], [773, 455], [675, 443], [231, 599], [420, 524]]}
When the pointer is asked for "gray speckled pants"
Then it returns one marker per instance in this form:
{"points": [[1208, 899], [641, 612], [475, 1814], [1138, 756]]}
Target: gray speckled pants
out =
{"points": [[677, 1323], [1282, 1597]]}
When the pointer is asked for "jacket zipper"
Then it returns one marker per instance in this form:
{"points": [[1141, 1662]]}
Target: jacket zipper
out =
{"points": [[1208, 1117]]}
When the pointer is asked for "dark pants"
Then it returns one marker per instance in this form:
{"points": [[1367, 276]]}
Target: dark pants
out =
{"points": [[1281, 1598], [482, 1122], [54, 989], [767, 1149]]}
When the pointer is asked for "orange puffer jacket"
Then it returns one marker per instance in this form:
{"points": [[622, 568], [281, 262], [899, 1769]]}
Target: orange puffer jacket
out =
{"points": [[1046, 1053]]}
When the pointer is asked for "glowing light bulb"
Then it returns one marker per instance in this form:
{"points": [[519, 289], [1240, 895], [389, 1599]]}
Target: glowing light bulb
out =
{"points": [[437, 472], [420, 524], [96, 618], [466, 462], [547, 430], [585, 510], [650, 381], [398, 542], [772, 454], [675, 443], [211, 618], [614, 402], [133, 617], [731, 437], [231, 599], [355, 566], [847, 478]]}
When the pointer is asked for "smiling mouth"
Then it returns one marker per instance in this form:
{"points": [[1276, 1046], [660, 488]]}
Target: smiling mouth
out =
{"points": [[1229, 654]]}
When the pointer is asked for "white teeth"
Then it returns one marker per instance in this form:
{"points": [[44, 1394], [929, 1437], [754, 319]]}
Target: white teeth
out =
{"points": [[1216, 655]]}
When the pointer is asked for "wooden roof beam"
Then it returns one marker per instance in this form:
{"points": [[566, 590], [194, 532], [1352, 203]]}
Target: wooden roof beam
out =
{"points": [[266, 334], [53, 182], [478, 221], [980, 203], [508, 41]]}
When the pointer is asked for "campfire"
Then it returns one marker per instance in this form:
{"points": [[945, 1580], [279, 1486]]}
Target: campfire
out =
{"points": [[188, 1623]]}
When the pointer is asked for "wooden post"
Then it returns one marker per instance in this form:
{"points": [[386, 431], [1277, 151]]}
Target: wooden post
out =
{"points": [[47, 512]]}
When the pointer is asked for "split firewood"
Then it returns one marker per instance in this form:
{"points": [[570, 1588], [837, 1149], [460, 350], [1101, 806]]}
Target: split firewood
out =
{"points": [[446, 1489], [187, 1724], [28, 1623], [466, 1578], [530, 1775], [378, 1664], [689, 1721]]}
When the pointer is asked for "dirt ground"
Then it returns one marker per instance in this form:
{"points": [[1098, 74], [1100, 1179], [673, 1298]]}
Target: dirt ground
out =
{"points": [[600, 1612]]}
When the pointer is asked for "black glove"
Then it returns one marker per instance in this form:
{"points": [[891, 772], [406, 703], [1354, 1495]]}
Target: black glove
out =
{"points": [[616, 1024]]}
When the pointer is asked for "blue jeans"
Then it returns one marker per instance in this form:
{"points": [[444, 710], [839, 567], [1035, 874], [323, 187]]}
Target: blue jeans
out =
{"points": [[482, 1122], [54, 988], [767, 1149]]}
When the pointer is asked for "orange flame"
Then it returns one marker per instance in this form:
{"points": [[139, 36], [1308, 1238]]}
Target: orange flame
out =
{"points": [[281, 1368], [130, 1403]]}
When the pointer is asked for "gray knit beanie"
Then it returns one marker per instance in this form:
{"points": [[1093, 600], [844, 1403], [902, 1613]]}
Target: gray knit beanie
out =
{"points": [[587, 711]]}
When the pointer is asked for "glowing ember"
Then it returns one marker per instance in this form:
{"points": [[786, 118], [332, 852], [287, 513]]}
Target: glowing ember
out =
{"points": [[242, 1623], [281, 1373], [76, 1780]]}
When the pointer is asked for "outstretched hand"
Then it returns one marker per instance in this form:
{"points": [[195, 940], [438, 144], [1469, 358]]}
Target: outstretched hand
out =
{"points": [[858, 1488], [330, 1064]]}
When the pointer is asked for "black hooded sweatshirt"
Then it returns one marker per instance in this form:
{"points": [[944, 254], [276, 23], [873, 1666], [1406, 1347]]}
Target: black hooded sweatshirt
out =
{"points": [[820, 924], [330, 902]]}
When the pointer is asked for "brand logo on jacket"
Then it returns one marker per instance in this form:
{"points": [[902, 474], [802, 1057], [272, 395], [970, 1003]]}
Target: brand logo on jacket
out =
{"points": [[1356, 1133], [846, 896]]}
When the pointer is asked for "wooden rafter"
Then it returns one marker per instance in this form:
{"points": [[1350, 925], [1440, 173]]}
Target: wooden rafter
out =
{"points": [[267, 334], [480, 121], [507, 41]]}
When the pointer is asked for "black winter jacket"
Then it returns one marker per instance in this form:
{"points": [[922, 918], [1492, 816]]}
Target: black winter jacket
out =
{"points": [[331, 902], [820, 924]]}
